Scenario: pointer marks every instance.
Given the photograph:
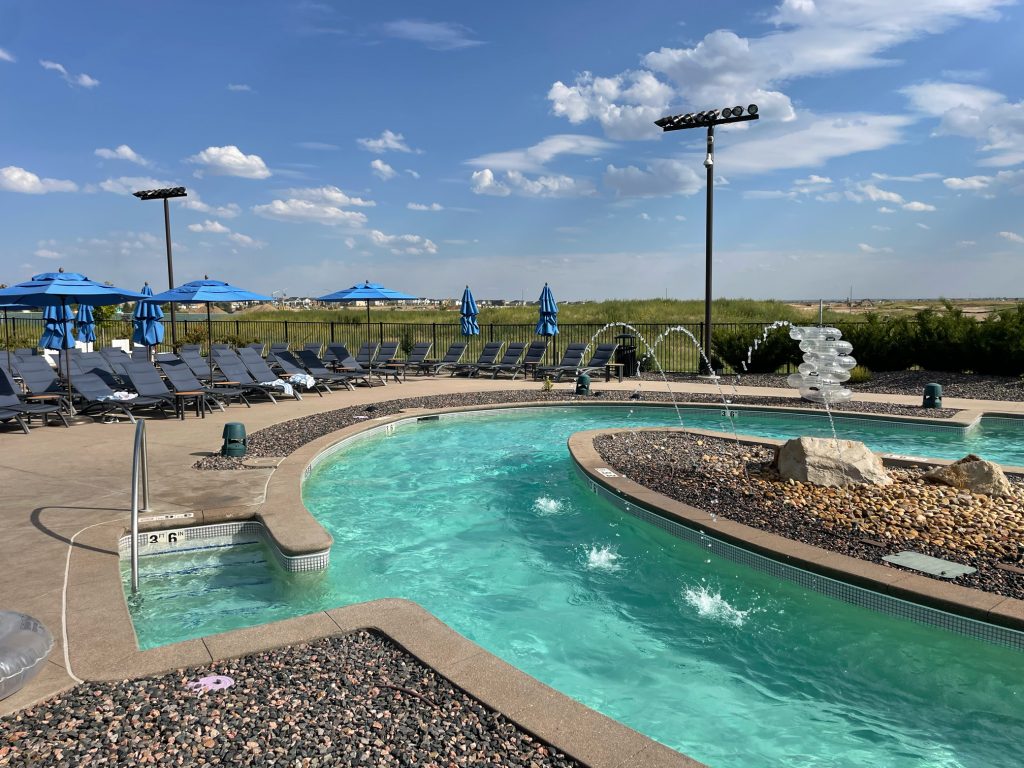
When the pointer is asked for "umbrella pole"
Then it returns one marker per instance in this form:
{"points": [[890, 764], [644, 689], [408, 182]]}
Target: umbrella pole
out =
{"points": [[367, 321], [7, 342], [67, 361], [209, 341]]}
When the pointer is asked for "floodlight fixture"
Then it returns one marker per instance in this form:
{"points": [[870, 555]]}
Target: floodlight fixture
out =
{"points": [[166, 194], [709, 119]]}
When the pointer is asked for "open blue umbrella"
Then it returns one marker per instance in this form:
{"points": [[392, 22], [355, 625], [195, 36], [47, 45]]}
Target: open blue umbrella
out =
{"points": [[147, 328], [470, 327], [547, 325], [86, 324], [57, 330], [367, 292], [207, 291], [58, 289]]}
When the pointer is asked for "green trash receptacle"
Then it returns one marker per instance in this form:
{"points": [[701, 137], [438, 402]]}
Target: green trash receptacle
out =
{"points": [[235, 441], [583, 384], [932, 396]]}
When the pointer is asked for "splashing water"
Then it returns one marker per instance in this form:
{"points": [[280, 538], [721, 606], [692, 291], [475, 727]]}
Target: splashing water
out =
{"points": [[545, 506], [603, 559], [713, 606]]}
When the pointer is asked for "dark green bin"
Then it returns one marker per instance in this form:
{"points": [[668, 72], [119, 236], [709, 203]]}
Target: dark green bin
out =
{"points": [[932, 396], [235, 441]]}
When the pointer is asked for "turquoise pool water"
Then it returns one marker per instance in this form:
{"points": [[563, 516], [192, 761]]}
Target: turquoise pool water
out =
{"points": [[483, 521]]}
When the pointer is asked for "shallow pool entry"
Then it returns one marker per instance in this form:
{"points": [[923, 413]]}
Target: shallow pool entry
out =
{"points": [[484, 521]]}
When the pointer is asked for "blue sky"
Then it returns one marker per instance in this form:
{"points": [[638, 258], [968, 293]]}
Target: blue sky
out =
{"points": [[427, 146]]}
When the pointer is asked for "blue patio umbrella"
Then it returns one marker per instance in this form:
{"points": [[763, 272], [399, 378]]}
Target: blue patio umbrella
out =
{"points": [[470, 327], [57, 330], [86, 324], [367, 292], [58, 289], [147, 328], [547, 324], [206, 291]]}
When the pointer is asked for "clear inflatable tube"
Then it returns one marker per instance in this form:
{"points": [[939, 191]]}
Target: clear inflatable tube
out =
{"points": [[24, 645], [827, 364]]}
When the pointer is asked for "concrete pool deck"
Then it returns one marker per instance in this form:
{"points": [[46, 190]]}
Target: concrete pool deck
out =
{"points": [[57, 482]]}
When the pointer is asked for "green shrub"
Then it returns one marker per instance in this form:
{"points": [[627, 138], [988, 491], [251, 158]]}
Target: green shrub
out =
{"points": [[198, 336], [407, 340], [999, 343], [732, 346], [945, 340], [859, 374], [882, 343]]}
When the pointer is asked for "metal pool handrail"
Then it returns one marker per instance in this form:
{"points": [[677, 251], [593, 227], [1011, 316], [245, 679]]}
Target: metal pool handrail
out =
{"points": [[140, 473]]}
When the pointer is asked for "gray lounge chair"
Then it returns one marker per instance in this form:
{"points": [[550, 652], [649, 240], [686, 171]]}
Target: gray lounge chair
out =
{"points": [[349, 370], [571, 360], [509, 360], [10, 400], [534, 357], [451, 357], [237, 375], [261, 373], [488, 356], [99, 399]]}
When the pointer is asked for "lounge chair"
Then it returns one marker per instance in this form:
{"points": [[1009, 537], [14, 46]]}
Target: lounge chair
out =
{"points": [[261, 372], [275, 348], [451, 357], [39, 379], [258, 346], [602, 356], [571, 360], [7, 414], [417, 355], [84, 364], [146, 380], [116, 358], [140, 353], [349, 371], [367, 353], [509, 360], [290, 366], [99, 399], [488, 356], [199, 365], [534, 357], [237, 375], [184, 381], [314, 346], [10, 400]]}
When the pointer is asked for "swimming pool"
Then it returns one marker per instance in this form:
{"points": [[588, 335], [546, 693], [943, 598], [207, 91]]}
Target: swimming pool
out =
{"points": [[482, 520]]}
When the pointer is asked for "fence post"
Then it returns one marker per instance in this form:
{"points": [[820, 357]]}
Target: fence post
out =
{"points": [[380, 329], [332, 332], [490, 336], [433, 337]]}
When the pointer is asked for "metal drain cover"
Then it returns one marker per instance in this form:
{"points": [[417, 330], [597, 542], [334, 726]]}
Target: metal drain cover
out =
{"points": [[933, 566]]}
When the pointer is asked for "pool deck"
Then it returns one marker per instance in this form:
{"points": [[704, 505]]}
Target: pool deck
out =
{"points": [[58, 483]]}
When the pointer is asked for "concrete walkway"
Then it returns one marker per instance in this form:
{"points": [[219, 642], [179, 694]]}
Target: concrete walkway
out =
{"points": [[56, 482]]}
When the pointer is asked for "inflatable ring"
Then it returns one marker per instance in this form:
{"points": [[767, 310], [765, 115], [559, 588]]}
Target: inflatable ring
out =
{"points": [[24, 645]]}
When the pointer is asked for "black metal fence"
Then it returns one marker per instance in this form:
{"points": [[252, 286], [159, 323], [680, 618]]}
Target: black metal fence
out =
{"points": [[675, 350]]}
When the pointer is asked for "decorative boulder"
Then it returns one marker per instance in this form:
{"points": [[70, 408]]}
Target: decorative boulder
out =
{"points": [[824, 461], [973, 473]]}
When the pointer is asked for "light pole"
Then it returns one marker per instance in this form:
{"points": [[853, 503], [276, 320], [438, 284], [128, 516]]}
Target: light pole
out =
{"points": [[165, 194], [709, 120]]}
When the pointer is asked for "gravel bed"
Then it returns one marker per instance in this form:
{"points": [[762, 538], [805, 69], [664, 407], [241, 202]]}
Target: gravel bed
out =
{"points": [[968, 385], [341, 701], [739, 484], [286, 437]]}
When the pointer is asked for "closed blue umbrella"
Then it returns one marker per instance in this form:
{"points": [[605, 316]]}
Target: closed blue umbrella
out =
{"points": [[86, 324], [147, 328], [547, 324], [58, 289], [367, 292], [57, 330], [207, 291], [470, 327]]}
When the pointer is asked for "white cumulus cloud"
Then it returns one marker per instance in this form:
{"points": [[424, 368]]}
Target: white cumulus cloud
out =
{"points": [[209, 226], [329, 194], [125, 185], [403, 244], [484, 182], [659, 178], [918, 207], [424, 207], [382, 170], [436, 35], [1013, 237], [231, 161], [194, 203], [122, 152], [83, 80], [308, 211], [5, 56], [15, 179], [388, 141], [533, 159]]}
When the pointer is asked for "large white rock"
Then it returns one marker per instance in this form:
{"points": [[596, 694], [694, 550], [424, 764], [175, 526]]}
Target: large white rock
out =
{"points": [[824, 461], [973, 473]]}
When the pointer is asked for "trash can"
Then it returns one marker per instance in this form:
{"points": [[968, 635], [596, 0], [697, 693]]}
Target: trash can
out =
{"points": [[932, 396], [583, 384], [235, 441], [626, 354]]}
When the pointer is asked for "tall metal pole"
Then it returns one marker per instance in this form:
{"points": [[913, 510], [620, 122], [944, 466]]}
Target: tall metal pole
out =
{"points": [[170, 267], [709, 163]]}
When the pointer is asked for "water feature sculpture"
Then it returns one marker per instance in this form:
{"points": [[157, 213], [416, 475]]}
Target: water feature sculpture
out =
{"points": [[826, 364]]}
